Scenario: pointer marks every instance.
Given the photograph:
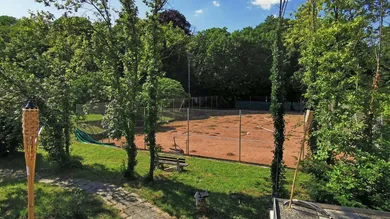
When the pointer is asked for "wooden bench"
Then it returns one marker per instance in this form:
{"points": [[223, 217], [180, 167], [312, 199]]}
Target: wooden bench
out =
{"points": [[180, 163]]}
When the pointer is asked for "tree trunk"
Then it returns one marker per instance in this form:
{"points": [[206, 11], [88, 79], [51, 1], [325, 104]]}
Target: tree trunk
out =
{"points": [[131, 150]]}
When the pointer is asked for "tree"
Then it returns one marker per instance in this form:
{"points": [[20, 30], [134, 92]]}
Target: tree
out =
{"points": [[277, 105], [36, 64], [174, 52], [167, 89], [7, 20], [349, 164], [176, 18], [153, 66], [118, 53]]}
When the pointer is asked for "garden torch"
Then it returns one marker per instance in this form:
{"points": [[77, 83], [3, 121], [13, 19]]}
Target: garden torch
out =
{"points": [[30, 141]]}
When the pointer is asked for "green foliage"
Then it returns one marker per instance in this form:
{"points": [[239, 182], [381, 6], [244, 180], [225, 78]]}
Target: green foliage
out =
{"points": [[10, 132], [153, 66], [117, 54], [277, 110], [338, 62], [174, 52], [218, 58], [167, 89], [35, 64]]}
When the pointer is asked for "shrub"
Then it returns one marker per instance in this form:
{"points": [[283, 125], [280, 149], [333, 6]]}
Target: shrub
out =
{"points": [[10, 133]]}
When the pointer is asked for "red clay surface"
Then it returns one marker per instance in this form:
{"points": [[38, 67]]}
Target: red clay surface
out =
{"points": [[218, 137]]}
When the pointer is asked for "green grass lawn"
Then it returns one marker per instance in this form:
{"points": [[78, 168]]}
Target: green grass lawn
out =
{"points": [[172, 191], [90, 129], [51, 202], [92, 117]]}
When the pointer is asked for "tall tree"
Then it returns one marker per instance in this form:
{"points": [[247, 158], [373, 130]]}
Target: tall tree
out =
{"points": [[118, 56], [176, 18], [340, 63], [153, 66], [116, 50]]}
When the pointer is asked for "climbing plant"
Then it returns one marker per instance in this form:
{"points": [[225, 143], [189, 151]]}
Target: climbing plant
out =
{"points": [[277, 105]]}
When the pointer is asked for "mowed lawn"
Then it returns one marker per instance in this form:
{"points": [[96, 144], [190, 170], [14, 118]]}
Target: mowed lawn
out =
{"points": [[51, 202], [236, 190]]}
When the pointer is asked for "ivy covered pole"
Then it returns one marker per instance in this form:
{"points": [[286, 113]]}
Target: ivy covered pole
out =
{"points": [[277, 105]]}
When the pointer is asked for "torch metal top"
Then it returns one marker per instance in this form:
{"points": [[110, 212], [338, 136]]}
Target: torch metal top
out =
{"points": [[30, 105]]}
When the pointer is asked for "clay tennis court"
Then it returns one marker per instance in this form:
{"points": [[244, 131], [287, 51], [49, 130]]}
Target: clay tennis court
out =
{"points": [[216, 135]]}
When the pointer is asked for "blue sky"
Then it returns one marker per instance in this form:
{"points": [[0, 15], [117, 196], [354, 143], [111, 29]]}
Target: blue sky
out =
{"points": [[202, 14]]}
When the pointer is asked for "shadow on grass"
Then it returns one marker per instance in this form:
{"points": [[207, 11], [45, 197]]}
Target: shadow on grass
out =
{"points": [[76, 168], [178, 200], [50, 202], [16, 161]]}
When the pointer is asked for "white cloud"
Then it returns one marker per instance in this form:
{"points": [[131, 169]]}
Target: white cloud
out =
{"points": [[216, 3], [198, 12], [265, 4]]}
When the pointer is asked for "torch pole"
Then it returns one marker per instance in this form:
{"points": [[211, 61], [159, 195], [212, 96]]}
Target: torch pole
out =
{"points": [[30, 140]]}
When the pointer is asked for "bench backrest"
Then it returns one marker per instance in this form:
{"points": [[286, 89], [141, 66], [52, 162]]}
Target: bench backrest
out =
{"points": [[174, 159]]}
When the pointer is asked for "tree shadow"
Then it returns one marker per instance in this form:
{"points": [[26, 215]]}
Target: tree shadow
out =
{"points": [[93, 172], [76, 168], [178, 200], [51, 202], [16, 161]]}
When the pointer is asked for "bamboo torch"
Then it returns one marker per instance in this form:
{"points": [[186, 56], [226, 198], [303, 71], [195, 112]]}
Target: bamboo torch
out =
{"points": [[30, 141], [306, 126]]}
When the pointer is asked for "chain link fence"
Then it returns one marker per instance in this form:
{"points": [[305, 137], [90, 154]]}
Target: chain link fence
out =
{"points": [[238, 135]]}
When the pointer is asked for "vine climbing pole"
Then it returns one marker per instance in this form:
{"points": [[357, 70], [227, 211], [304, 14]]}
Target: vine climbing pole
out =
{"points": [[30, 141]]}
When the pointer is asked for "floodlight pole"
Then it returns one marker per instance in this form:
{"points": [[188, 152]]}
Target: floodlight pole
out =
{"points": [[306, 126], [189, 78], [30, 141]]}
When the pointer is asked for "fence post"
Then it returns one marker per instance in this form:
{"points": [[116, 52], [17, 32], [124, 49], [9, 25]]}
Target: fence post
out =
{"points": [[161, 111], [250, 102], [144, 127], [188, 131], [239, 139]]}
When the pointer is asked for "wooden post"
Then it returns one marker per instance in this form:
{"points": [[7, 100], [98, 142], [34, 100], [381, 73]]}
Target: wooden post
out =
{"points": [[306, 126], [30, 141], [239, 138]]}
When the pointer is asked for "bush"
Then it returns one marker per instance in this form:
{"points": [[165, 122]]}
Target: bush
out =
{"points": [[361, 183], [10, 133]]}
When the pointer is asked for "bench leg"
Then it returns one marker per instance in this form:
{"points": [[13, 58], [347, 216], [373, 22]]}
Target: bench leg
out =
{"points": [[178, 167]]}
